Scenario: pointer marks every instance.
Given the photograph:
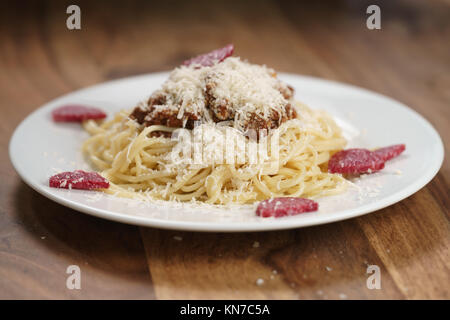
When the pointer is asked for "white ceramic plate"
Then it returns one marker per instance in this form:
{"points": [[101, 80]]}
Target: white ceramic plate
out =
{"points": [[40, 148]]}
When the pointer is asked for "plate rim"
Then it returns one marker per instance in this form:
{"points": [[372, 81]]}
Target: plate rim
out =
{"points": [[254, 226]]}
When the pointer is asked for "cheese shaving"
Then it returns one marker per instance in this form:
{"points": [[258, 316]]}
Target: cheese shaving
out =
{"points": [[243, 89]]}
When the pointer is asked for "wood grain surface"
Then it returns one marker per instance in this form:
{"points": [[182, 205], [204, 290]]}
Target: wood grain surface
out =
{"points": [[408, 59]]}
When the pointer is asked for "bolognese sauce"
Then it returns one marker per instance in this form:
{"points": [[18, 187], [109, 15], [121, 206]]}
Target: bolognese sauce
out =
{"points": [[248, 96]]}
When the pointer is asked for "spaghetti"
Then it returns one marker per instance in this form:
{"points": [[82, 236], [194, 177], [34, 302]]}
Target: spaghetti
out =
{"points": [[140, 165]]}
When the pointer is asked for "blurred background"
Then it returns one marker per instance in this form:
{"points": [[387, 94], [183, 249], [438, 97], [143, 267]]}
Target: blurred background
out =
{"points": [[407, 59], [40, 59]]}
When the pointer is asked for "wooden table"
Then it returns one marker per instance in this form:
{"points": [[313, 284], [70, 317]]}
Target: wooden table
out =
{"points": [[408, 59]]}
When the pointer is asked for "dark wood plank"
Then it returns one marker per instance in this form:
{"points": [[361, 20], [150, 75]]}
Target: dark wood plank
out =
{"points": [[39, 239], [298, 264]]}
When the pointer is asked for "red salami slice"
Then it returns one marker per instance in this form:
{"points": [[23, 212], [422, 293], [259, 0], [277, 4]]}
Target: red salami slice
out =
{"points": [[77, 113], [387, 153], [209, 59], [355, 161], [78, 179], [289, 206]]}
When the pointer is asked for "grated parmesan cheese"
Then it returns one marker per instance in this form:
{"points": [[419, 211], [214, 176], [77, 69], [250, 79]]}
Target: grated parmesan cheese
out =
{"points": [[245, 89]]}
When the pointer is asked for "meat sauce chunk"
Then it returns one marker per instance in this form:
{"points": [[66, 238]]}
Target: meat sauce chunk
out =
{"points": [[157, 113]]}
